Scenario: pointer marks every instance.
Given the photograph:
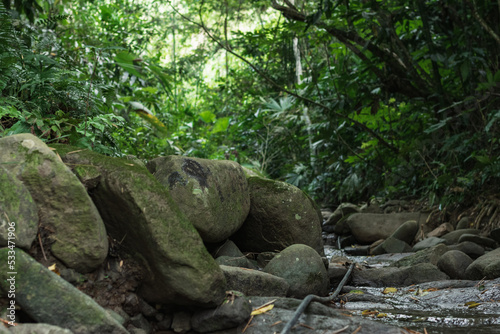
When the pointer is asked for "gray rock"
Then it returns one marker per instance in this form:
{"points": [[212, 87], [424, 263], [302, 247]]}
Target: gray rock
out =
{"points": [[342, 211], [213, 194], [406, 232], [229, 248], [18, 212], [47, 298], [454, 263], [428, 255], [495, 234], [232, 313], [336, 272], [427, 243], [391, 245], [140, 212], [486, 266], [181, 322], [326, 213], [464, 223], [477, 239], [470, 248], [280, 215], [81, 244], [254, 282], [453, 237], [370, 227], [140, 322], [392, 276], [38, 329], [302, 268]]}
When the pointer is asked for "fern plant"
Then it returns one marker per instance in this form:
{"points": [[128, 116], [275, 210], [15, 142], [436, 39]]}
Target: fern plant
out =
{"points": [[39, 95]]}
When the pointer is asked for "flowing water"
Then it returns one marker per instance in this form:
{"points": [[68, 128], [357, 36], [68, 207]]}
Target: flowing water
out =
{"points": [[431, 307]]}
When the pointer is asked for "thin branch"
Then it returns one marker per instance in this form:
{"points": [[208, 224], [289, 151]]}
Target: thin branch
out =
{"points": [[281, 88], [482, 22], [311, 298]]}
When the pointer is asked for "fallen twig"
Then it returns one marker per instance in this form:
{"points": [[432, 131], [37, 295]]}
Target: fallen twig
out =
{"points": [[311, 298]]}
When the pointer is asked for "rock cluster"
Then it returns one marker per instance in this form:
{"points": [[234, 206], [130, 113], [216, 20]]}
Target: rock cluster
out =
{"points": [[430, 255], [169, 225]]}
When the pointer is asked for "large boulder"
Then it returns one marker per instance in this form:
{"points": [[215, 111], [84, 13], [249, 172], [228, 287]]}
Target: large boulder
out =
{"points": [[486, 266], [79, 236], [213, 194], [370, 227], [280, 215], [392, 276], [302, 268], [18, 212], [142, 216], [48, 298]]}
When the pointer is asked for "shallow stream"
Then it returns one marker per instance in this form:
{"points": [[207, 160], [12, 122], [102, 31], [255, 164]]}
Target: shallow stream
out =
{"points": [[436, 307]]}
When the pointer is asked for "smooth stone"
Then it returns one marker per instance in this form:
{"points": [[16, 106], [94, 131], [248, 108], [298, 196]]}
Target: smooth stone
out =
{"points": [[428, 243], [495, 235], [302, 267], [254, 283], [280, 215], [454, 263], [370, 227], [428, 255], [453, 237], [470, 248], [393, 276], [486, 266], [391, 245], [406, 232], [213, 194], [463, 223], [477, 239]]}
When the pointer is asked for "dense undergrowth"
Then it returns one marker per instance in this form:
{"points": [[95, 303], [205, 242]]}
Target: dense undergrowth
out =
{"points": [[346, 100]]}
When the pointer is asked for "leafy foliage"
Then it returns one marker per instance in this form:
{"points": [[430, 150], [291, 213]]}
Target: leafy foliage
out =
{"points": [[345, 99]]}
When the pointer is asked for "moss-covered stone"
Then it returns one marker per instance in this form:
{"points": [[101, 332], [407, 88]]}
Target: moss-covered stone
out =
{"points": [[280, 215], [140, 212], [213, 194], [47, 298], [17, 211], [302, 268], [65, 208]]}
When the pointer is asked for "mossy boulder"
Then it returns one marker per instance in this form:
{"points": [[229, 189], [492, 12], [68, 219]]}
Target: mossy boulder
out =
{"points": [[280, 215], [140, 213], [18, 212], [48, 298], [79, 236], [213, 194]]}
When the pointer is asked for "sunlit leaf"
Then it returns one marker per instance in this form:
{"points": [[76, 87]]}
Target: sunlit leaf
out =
{"points": [[358, 292], [221, 125], [262, 309], [389, 290]]}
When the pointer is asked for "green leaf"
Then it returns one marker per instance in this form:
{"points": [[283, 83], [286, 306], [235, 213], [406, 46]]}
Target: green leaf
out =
{"points": [[221, 125], [207, 116], [126, 61]]}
